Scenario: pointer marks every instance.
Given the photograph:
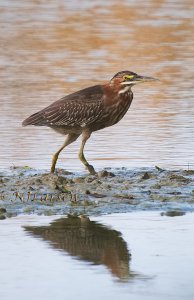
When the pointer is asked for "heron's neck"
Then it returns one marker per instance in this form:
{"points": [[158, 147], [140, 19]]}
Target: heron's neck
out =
{"points": [[114, 93]]}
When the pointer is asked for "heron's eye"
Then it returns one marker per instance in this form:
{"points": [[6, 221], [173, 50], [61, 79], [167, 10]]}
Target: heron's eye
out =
{"points": [[127, 77]]}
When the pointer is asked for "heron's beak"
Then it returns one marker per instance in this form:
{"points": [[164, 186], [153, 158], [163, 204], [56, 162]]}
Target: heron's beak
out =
{"points": [[140, 79]]}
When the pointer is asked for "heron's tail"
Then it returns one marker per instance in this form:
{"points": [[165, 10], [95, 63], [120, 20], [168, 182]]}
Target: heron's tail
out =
{"points": [[35, 119]]}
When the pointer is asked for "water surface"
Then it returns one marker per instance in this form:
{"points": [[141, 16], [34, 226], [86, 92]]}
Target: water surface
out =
{"points": [[127, 256], [52, 48]]}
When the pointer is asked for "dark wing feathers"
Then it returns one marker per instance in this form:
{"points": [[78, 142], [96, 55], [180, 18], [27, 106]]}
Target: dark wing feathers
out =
{"points": [[80, 108]]}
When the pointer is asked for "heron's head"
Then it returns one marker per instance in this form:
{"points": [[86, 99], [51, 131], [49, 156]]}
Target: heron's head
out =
{"points": [[128, 78]]}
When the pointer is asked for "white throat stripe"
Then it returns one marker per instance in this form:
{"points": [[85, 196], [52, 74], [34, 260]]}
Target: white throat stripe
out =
{"points": [[124, 90]]}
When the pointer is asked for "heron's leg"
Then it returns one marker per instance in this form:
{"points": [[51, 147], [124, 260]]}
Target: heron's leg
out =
{"points": [[70, 139], [90, 168]]}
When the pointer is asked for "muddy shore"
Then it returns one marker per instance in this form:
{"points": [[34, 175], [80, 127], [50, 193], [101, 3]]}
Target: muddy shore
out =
{"points": [[25, 190]]}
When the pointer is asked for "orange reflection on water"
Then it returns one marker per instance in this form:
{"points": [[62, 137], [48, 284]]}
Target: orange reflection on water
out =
{"points": [[49, 49]]}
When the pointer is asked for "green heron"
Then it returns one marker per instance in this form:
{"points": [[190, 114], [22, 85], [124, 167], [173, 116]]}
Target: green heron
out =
{"points": [[88, 110]]}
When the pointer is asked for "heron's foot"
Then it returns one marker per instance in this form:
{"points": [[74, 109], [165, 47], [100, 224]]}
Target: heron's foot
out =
{"points": [[91, 169], [52, 170], [53, 164]]}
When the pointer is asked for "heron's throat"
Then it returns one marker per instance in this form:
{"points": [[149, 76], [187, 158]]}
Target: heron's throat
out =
{"points": [[125, 90]]}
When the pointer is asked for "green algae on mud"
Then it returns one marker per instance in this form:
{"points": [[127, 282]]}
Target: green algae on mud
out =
{"points": [[26, 190]]}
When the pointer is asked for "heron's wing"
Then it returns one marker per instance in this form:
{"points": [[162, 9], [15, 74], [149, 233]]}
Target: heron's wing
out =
{"points": [[78, 109]]}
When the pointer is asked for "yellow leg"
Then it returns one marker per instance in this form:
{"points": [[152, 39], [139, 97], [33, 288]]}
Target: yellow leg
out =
{"points": [[70, 139], [90, 168]]}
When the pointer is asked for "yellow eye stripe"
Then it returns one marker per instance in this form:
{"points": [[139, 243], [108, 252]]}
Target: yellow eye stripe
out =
{"points": [[127, 77]]}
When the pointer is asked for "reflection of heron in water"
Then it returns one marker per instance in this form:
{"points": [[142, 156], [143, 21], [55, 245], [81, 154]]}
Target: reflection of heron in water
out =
{"points": [[89, 241]]}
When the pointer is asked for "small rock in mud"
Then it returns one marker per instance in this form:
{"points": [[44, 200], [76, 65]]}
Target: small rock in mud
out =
{"points": [[173, 213], [97, 195], [179, 178], [145, 176], [2, 213], [158, 197], [175, 193], [105, 173], [159, 169], [124, 196], [62, 172], [52, 180], [189, 172], [4, 180], [78, 179], [90, 178], [156, 186]]}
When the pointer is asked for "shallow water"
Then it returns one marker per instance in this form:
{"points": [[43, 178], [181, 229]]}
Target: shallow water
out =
{"points": [[135, 255], [49, 49]]}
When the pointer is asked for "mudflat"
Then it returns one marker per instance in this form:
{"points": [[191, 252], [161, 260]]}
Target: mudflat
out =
{"points": [[26, 190]]}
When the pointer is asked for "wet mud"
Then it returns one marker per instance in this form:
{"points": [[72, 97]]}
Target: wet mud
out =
{"points": [[25, 190]]}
